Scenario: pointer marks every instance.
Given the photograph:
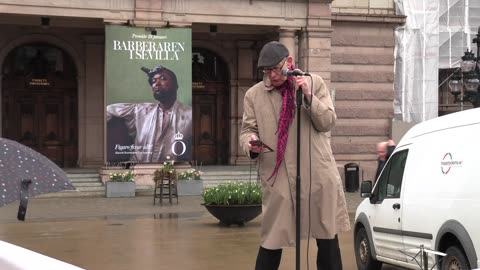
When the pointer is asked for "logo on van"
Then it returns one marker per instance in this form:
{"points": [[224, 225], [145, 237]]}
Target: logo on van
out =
{"points": [[447, 163]]}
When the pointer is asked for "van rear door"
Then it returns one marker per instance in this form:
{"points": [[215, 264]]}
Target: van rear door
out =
{"points": [[386, 216]]}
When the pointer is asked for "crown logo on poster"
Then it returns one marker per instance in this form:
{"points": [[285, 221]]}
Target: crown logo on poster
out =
{"points": [[178, 136]]}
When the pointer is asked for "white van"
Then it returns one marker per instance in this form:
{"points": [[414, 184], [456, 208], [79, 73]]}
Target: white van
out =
{"points": [[427, 194]]}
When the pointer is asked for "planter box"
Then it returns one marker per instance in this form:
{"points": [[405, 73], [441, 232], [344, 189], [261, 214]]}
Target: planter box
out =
{"points": [[119, 189], [234, 214], [190, 187]]}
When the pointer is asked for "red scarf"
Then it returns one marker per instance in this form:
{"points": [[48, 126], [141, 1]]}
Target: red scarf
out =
{"points": [[287, 89]]}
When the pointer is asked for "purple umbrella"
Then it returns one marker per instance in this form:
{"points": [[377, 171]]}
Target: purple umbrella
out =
{"points": [[25, 173]]}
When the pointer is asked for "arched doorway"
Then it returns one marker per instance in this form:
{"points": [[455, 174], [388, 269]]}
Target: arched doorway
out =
{"points": [[210, 114], [39, 101]]}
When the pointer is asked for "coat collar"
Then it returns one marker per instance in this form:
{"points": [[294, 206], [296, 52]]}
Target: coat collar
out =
{"points": [[274, 96], [267, 84]]}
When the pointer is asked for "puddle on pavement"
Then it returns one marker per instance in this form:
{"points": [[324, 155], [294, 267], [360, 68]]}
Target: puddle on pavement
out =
{"points": [[185, 215], [157, 216]]}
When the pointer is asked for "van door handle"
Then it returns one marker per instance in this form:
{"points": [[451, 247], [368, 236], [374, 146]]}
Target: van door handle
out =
{"points": [[396, 206]]}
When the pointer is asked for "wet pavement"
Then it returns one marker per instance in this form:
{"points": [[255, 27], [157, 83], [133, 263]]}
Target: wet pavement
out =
{"points": [[132, 233]]}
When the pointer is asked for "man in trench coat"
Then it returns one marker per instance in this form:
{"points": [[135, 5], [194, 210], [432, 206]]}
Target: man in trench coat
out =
{"points": [[323, 208]]}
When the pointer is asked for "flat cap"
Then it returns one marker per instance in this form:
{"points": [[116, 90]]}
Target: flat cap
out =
{"points": [[271, 54], [152, 72]]}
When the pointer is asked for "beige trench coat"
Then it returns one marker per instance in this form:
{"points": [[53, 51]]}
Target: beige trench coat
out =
{"points": [[328, 213]]}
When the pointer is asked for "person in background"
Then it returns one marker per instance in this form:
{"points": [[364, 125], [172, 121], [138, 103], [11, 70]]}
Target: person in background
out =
{"points": [[269, 115], [384, 151]]}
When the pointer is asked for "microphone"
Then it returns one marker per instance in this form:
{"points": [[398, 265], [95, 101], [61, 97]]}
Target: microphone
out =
{"points": [[287, 72]]}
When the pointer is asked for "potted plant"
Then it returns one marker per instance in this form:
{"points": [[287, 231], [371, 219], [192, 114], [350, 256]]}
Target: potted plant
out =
{"points": [[167, 170], [234, 203], [120, 184], [190, 182]]}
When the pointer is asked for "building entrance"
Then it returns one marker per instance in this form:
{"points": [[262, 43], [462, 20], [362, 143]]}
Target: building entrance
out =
{"points": [[39, 102], [210, 115]]}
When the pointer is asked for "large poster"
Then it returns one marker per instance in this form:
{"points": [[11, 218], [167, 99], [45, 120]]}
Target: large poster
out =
{"points": [[148, 94]]}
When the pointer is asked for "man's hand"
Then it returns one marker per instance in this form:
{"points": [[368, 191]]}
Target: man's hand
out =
{"points": [[254, 148], [303, 84]]}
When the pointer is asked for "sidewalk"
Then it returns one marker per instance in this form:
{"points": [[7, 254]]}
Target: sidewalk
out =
{"points": [[91, 208]]}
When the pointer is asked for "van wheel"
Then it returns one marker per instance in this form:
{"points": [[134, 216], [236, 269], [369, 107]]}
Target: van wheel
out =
{"points": [[455, 259], [363, 252]]}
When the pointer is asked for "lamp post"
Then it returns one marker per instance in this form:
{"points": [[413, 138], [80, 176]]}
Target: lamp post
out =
{"points": [[465, 82]]}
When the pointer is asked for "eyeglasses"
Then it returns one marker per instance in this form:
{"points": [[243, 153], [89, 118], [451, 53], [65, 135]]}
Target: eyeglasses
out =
{"points": [[276, 69]]}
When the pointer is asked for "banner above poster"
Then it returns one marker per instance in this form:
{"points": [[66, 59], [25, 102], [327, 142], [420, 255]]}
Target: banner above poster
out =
{"points": [[149, 94]]}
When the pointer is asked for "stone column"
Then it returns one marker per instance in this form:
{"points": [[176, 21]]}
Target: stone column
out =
{"points": [[94, 119], [315, 51], [288, 37], [315, 40], [82, 126], [315, 43], [246, 78]]}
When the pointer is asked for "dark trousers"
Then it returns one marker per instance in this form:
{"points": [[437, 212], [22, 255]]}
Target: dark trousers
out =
{"points": [[328, 256]]}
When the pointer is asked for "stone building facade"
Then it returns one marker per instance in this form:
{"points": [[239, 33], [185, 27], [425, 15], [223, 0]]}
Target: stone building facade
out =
{"points": [[350, 43]]}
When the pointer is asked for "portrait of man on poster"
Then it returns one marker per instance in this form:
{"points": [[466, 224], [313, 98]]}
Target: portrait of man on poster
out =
{"points": [[158, 131]]}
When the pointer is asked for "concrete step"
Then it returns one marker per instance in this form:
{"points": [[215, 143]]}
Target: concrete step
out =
{"points": [[69, 193], [92, 179], [91, 188], [82, 175], [80, 170], [213, 175], [223, 168], [230, 176], [86, 180], [227, 172], [88, 183]]}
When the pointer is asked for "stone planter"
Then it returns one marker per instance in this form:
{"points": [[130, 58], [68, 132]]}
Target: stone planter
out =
{"points": [[119, 189], [234, 214], [190, 187]]}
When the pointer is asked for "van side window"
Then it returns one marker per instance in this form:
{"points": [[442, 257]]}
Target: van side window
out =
{"points": [[390, 181]]}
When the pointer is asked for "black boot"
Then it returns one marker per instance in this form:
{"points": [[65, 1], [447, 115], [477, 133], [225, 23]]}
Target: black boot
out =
{"points": [[328, 254], [268, 259]]}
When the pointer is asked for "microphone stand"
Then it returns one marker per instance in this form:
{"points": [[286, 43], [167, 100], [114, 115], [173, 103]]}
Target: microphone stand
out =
{"points": [[299, 96]]}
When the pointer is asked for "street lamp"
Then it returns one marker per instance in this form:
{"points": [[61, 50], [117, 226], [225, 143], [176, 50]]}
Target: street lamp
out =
{"points": [[465, 81]]}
